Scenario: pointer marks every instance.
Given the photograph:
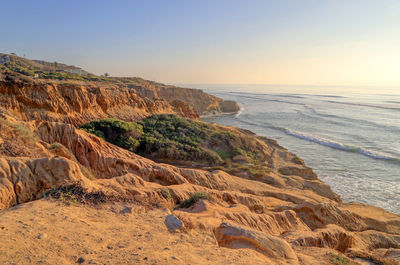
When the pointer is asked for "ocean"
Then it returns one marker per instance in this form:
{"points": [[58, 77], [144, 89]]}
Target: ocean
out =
{"points": [[350, 136]]}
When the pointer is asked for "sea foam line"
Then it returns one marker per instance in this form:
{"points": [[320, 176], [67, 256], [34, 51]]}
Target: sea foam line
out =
{"points": [[341, 146]]}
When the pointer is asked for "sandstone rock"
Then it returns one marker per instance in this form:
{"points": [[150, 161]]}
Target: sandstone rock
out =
{"points": [[321, 214], [236, 237], [333, 237], [23, 180], [229, 106]]}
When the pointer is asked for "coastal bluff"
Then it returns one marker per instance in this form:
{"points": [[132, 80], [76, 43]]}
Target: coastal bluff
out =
{"points": [[204, 103], [87, 176]]}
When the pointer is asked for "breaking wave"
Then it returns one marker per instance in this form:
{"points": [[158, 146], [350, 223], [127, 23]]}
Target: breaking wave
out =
{"points": [[341, 146], [239, 112]]}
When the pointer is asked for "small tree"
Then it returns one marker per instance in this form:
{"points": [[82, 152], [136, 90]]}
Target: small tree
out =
{"points": [[106, 74]]}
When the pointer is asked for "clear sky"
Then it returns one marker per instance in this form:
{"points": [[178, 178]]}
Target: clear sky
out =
{"points": [[320, 42]]}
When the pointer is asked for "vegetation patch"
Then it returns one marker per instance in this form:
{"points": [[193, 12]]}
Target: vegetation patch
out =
{"points": [[121, 133], [166, 194], [53, 71], [55, 145], [341, 260], [74, 194], [21, 130], [195, 197], [171, 139]]}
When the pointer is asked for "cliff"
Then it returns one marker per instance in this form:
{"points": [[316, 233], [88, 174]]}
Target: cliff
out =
{"points": [[204, 103], [14, 68], [80, 103], [70, 195]]}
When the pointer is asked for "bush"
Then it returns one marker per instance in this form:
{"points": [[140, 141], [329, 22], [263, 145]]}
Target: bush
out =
{"points": [[121, 133], [223, 154], [172, 139], [193, 199], [166, 194]]}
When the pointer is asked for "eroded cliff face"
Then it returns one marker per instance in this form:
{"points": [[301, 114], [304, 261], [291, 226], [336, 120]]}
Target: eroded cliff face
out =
{"points": [[204, 103], [77, 103]]}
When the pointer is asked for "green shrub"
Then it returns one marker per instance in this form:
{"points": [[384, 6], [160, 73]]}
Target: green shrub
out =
{"points": [[121, 133], [193, 199], [172, 139], [223, 154], [166, 194]]}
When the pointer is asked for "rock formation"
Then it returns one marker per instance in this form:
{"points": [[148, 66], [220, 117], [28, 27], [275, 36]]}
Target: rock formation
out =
{"points": [[286, 215], [201, 101], [77, 104]]}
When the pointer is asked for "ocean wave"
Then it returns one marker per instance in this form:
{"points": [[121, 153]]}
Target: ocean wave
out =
{"points": [[264, 125], [285, 95], [377, 106], [269, 94], [239, 112], [327, 142], [330, 119], [328, 96], [274, 100], [393, 101], [316, 139], [341, 146]]}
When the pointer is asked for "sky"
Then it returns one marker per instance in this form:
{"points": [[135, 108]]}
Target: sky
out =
{"points": [[297, 42]]}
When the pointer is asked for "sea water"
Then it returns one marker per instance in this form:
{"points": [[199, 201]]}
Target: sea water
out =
{"points": [[350, 136]]}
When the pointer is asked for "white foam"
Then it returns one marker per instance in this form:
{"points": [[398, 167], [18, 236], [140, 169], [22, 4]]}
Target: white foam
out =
{"points": [[377, 155], [239, 112], [378, 192], [341, 146], [319, 140]]}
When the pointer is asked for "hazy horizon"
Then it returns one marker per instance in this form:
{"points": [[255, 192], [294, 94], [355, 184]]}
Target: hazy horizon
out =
{"points": [[303, 43]]}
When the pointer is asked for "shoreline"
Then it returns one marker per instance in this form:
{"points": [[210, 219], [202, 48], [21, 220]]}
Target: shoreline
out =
{"points": [[344, 169]]}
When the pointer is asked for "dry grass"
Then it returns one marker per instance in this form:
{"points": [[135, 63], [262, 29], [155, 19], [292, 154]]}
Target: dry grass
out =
{"points": [[74, 193], [21, 130]]}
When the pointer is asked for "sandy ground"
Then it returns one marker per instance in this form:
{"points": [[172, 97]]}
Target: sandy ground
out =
{"points": [[50, 232]]}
